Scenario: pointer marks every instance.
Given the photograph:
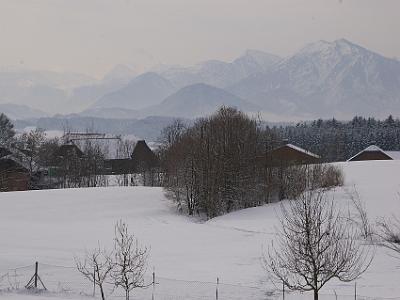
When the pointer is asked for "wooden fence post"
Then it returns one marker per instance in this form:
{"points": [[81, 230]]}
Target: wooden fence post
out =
{"points": [[355, 290], [216, 289], [33, 282], [154, 283], [36, 274]]}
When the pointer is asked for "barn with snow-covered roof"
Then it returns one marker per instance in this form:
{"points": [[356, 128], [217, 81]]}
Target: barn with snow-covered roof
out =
{"points": [[373, 152], [290, 153]]}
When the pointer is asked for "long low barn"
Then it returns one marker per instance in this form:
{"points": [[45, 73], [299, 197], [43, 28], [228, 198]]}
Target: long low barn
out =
{"points": [[373, 152]]}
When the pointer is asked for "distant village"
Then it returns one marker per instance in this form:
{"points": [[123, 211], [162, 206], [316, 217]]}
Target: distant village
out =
{"points": [[15, 175], [69, 166]]}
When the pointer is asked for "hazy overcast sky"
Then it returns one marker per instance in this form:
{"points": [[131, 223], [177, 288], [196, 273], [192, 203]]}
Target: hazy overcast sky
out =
{"points": [[91, 36]]}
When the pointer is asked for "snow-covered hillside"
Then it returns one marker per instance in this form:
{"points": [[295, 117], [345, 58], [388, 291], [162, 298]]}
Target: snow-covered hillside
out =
{"points": [[53, 226]]}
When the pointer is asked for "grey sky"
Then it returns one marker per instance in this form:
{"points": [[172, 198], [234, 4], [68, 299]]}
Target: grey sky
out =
{"points": [[91, 36]]}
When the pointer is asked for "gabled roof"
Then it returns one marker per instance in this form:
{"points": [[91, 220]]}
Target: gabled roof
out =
{"points": [[373, 149], [143, 156], [293, 154], [16, 155], [9, 164], [302, 150]]}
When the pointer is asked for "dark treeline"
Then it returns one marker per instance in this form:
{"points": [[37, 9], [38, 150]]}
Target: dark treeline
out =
{"points": [[338, 141], [221, 164]]}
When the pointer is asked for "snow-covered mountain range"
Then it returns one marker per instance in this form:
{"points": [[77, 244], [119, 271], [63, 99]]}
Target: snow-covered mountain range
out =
{"points": [[324, 79], [327, 79], [221, 74]]}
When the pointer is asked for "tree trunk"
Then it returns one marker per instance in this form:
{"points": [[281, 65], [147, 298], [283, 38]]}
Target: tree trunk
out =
{"points": [[127, 294], [102, 292], [315, 294]]}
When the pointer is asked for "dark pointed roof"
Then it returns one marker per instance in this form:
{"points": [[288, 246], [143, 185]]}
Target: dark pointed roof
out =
{"points": [[143, 156]]}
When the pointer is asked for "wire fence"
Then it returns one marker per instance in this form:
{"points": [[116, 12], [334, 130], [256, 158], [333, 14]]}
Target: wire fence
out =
{"points": [[65, 280]]}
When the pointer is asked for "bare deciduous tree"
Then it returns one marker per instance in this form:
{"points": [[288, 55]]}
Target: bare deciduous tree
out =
{"points": [[30, 144], [360, 218], [390, 234], [96, 266], [130, 261], [316, 244]]}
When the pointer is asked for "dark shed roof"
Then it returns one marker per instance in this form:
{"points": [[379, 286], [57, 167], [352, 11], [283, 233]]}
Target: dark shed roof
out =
{"points": [[8, 164], [143, 157]]}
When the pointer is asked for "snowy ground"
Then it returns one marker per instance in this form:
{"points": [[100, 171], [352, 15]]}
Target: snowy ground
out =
{"points": [[54, 226]]}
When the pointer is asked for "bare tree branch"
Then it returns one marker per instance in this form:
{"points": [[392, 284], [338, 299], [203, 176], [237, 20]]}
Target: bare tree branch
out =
{"points": [[96, 266]]}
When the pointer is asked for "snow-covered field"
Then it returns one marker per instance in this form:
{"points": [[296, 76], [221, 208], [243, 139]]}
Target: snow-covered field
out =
{"points": [[54, 226]]}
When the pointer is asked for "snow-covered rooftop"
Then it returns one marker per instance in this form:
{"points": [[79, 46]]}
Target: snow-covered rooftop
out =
{"points": [[302, 150], [373, 148]]}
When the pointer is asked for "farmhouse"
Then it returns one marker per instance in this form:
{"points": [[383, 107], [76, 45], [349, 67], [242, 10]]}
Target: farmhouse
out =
{"points": [[291, 154], [373, 152]]}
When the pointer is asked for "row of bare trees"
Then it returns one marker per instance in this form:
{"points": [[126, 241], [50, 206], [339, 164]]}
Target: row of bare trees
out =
{"points": [[221, 163], [124, 267]]}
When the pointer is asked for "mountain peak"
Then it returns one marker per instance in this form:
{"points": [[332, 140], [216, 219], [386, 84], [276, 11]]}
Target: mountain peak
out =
{"points": [[347, 47], [340, 46]]}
